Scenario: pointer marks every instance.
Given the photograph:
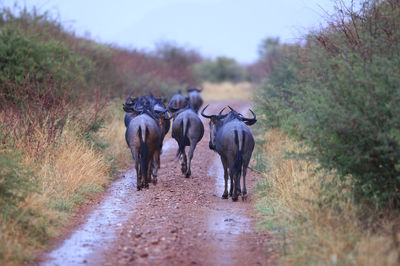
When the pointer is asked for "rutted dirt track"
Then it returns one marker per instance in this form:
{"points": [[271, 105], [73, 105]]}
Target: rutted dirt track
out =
{"points": [[177, 222]]}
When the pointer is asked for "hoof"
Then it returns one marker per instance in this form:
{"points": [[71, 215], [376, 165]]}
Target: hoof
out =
{"points": [[154, 181], [234, 199], [146, 185], [138, 188], [187, 175], [225, 196], [244, 197]]}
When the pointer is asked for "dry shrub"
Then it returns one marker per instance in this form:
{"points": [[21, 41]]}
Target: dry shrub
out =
{"points": [[308, 232], [65, 172], [114, 133], [227, 91], [72, 166]]}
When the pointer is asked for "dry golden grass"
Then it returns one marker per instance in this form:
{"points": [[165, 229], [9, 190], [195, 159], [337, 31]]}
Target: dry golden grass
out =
{"points": [[66, 172], [114, 134], [71, 166], [307, 233], [226, 91]]}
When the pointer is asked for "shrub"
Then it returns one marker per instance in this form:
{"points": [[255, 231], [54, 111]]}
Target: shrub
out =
{"points": [[341, 95], [50, 67], [15, 182], [222, 69], [308, 231]]}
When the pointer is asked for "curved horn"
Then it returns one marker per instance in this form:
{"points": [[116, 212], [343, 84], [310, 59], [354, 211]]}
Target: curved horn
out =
{"points": [[130, 96], [220, 113], [250, 119], [232, 109], [204, 115]]}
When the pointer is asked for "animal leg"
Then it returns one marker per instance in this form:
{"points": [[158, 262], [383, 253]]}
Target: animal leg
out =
{"points": [[231, 187], [225, 195], [138, 175], [156, 162], [147, 177], [235, 194], [190, 155], [184, 162], [244, 191]]}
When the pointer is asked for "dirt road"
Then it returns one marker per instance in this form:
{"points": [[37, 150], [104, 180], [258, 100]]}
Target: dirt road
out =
{"points": [[177, 222]]}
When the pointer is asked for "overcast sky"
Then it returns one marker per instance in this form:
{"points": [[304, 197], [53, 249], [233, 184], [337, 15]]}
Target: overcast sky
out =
{"points": [[232, 28]]}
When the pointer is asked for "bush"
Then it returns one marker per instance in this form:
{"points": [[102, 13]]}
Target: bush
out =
{"points": [[50, 66], [222, 69], [341, 95], [15, 182]]}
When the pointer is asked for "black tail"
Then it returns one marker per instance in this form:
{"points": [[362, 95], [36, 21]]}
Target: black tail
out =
{"points": [[143, 152], [183, 137], [237, 165]]}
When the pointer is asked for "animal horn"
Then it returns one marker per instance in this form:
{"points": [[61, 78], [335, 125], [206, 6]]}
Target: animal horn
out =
{"points": [[204, 115], [232, 109], [250, 119], [220, 113], [130, 94]]}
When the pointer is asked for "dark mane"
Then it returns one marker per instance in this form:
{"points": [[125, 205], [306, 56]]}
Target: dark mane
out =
{"points": [[232, 115]]}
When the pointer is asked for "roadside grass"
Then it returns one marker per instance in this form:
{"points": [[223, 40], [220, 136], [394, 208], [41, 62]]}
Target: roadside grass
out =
{"points": [[307, 230], [114, 134], [226, 91], [62, 174]]}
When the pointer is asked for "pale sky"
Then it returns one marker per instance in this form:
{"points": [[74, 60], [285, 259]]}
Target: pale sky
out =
{"points": [[232, 28]]}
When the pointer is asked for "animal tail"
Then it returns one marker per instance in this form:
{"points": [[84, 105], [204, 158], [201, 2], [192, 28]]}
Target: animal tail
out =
{"points": [[143, 151], [183, 137], [237, 165]]}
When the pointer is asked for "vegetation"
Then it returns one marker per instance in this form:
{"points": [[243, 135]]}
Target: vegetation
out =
{"points": [[308, 231], [330, 157], [339, 93], [219, 70], [331, 154], [61, 130]]}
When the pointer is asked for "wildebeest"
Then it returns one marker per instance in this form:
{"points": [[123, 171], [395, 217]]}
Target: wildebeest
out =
{"points": [[233, 141], [131, 103], [143, 136], [135, 106], [194, 98], [187, 130], [177, 102]]}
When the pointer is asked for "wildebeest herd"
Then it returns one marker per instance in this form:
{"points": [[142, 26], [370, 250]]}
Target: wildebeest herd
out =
{"points": [[147, 121]]}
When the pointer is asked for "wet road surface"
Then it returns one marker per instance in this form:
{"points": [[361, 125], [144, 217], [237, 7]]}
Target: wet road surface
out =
{"points": [[177, 222]]}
